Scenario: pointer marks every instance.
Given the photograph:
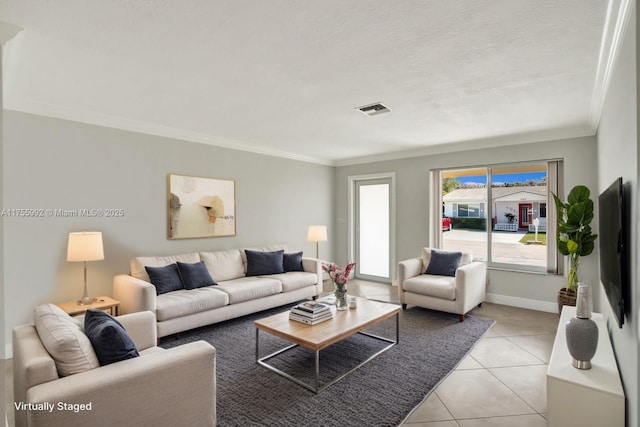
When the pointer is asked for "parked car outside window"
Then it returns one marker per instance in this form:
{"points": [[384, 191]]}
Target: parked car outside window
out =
{"points": [[446, 223]]}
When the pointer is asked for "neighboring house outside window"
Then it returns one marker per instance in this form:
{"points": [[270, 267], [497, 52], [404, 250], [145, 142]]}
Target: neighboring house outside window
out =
{"points": [[521, 204]]}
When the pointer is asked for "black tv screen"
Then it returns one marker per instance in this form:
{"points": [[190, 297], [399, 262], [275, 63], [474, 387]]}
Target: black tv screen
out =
{"points": [[612, 245]]}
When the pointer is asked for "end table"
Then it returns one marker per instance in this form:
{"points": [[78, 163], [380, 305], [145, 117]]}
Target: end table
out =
{"points": [[72, 308]]}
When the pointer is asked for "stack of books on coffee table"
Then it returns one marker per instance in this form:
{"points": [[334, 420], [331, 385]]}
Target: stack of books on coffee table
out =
{"points": [[310, 312]]}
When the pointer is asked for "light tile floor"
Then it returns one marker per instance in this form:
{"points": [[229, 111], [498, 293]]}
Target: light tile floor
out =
{"points": [[502, 382]]}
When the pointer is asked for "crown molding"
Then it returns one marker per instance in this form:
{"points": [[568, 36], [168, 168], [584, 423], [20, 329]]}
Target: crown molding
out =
{"points": [[618, 15], [99, 119], [577, 131]]}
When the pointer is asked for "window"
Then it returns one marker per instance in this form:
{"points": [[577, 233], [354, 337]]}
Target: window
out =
{"points": [[543, 210], [469, 210], [494, 211]]}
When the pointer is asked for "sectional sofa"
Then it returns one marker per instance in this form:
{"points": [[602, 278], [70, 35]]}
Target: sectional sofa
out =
{"points": [[244, 280]]}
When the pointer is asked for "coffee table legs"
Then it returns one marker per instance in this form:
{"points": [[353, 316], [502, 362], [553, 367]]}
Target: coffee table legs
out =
{"points": [[316, 388]]}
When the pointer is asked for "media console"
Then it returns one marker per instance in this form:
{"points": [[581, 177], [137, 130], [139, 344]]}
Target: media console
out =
{"points": [[592, 397]]}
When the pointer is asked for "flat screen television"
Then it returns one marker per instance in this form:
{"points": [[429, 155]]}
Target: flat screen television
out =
{"points": [[613, 247]]}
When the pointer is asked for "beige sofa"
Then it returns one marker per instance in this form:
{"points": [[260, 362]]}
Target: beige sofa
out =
{"points": [[236, 294], [457, 294], [160, 388]]}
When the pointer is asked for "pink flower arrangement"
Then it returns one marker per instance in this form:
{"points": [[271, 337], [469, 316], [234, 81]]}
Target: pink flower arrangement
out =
{"points": [[338, 275]]}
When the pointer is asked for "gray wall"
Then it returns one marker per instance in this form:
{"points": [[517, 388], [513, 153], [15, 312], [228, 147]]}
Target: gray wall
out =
{"points": [[3, 298], [618, 156], [412, 177], [56, 164]]}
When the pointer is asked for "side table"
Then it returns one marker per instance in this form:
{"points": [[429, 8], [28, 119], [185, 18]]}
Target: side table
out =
{"points": [[72, 308]]}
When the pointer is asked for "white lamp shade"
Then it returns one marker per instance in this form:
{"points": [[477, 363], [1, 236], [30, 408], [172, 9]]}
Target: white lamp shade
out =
{"points": [[85, 246], [317, 233]]}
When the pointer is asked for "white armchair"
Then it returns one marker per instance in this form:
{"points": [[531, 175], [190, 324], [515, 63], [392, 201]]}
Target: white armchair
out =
{"points": [[452, 294], [160, 388]]}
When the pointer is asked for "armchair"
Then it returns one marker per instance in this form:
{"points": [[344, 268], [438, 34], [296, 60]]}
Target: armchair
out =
{"points": [[160, 388], [452, 294]]}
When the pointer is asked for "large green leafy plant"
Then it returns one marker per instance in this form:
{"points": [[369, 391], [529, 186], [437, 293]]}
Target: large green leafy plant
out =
{"points": [[574, 236]]}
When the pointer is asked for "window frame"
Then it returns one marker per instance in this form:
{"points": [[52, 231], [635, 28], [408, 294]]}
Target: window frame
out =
{"points": [[554, 264]]}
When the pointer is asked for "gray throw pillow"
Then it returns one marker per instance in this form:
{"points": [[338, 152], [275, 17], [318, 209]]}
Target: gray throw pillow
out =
{"points": [[443, 263], [293, 262], [263, 263], [165, 279], [108, 337], [195, 275]]}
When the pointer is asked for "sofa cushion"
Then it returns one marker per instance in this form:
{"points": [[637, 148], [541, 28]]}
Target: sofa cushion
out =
{"points": [[443, 287], [165, 279], [184, 302], [224, 265], [138, 263], [64, 340], [262, 263], [466, 258], [108, 337], [250, 288], [443, 263], [294, 280], [292, 261], [194, 275]]}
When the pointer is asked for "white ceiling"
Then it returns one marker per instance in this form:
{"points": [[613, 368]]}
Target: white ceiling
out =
{"points": [[284, 77]]}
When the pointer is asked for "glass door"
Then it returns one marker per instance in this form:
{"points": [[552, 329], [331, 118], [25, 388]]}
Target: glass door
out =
{"points": [[372, 229]]}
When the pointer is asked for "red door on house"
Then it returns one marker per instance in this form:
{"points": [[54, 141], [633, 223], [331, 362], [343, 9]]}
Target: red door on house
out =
{"points": [[526, 212]]}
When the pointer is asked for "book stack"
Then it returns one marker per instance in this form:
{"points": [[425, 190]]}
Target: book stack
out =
{"points": [[310, 312]]}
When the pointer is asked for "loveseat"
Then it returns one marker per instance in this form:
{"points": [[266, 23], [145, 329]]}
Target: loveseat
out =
{"points": [[59, 380], [445, 281], [245, 281]]}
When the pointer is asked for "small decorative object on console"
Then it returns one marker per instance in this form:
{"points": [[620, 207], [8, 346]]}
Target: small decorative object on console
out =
{"points": [[582, 332]]}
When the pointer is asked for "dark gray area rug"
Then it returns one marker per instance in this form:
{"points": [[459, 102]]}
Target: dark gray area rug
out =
{"points": [[380, 393]]}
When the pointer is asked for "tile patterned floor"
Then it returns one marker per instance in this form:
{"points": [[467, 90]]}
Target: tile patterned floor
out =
{"points": [[502, 382]]}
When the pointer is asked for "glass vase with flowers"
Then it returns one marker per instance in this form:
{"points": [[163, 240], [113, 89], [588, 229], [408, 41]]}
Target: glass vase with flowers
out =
{"points": [[339, 277]]}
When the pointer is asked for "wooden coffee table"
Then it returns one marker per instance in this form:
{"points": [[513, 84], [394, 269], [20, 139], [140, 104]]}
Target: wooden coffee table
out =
{"points": [[317, 337]]}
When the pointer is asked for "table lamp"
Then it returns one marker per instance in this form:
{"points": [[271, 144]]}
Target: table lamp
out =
{"points": [[85, 246], [317, 233]]}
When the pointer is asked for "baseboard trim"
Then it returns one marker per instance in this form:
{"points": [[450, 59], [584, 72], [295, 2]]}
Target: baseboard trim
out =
{"points": [[546, 306]]}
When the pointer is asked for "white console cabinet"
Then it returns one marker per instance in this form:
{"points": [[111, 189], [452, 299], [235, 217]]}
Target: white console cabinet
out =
{"points": [[591, 397]]}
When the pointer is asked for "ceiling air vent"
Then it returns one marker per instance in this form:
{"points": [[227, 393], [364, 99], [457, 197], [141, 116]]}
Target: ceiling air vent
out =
{"points": [[373, 109]]}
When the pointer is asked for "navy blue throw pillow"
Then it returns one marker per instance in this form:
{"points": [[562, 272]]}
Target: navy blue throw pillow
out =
{"points": [[443, 263], [165, 279], [195, 275], [293, 262], [262, 263], [108, 337]]}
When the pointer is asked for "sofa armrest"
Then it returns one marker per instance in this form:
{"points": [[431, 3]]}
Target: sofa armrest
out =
{"points": [[32, 365], [314, 265], [134, 294], [471, 283], [172, 387], [141, 327], [409, 268]]}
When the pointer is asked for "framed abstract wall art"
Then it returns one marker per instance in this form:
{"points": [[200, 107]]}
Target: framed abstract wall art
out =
{"points": [[201, 207]]}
